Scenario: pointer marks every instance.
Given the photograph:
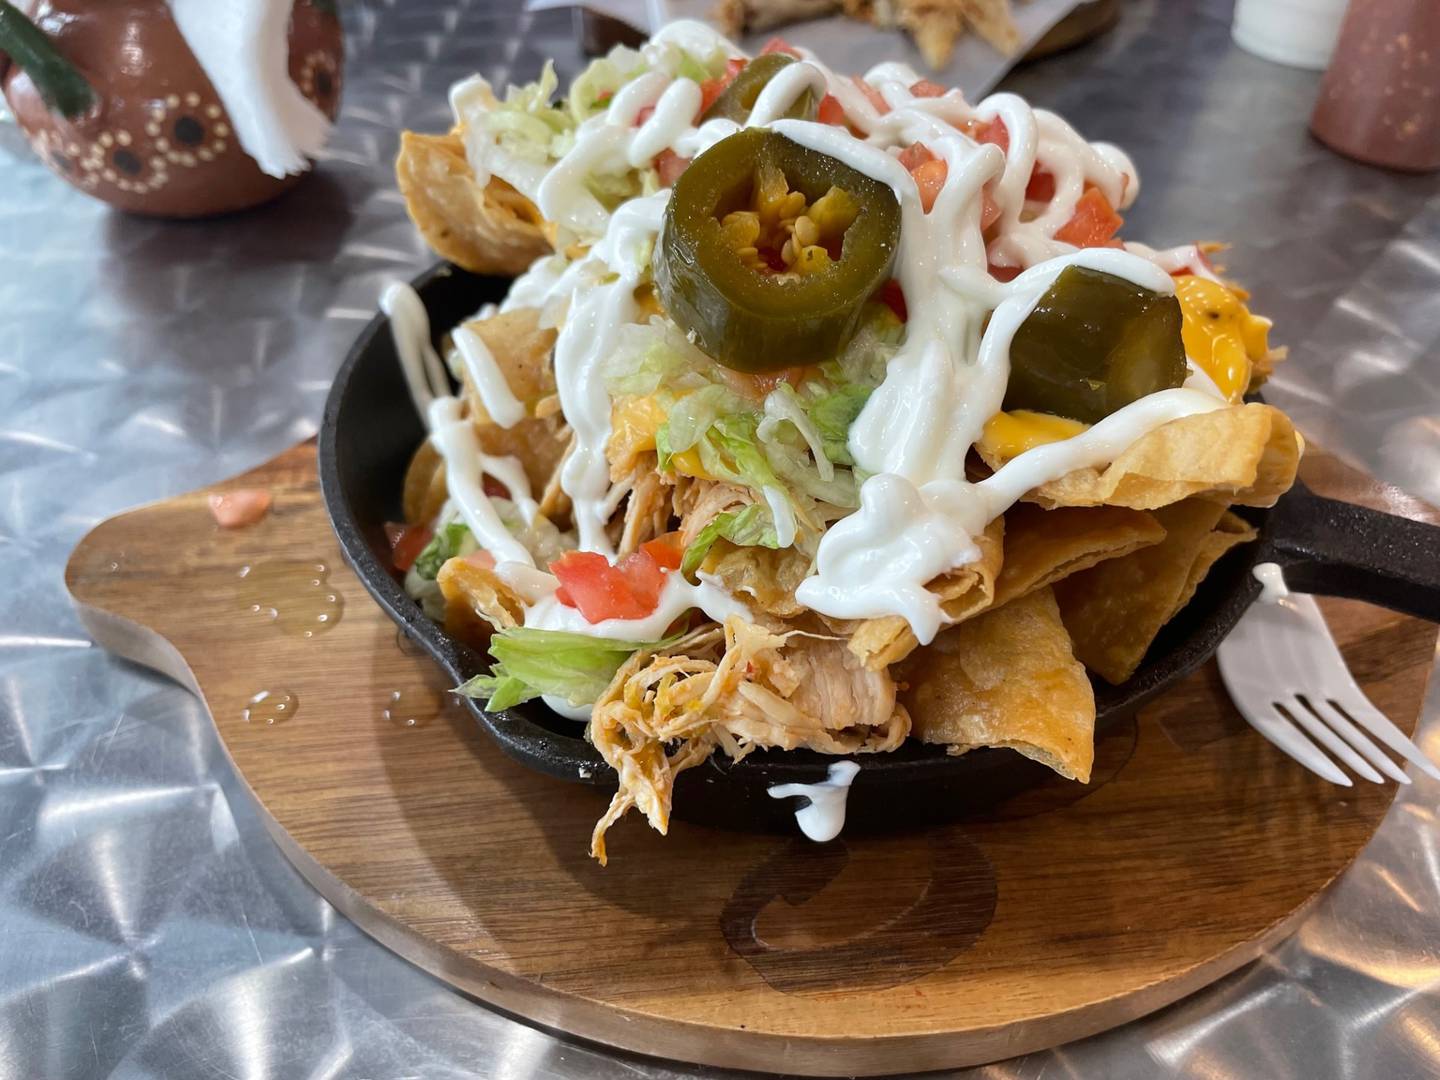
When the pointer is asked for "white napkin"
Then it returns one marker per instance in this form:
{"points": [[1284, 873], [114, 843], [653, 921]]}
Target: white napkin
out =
{"points": [[243, 46], [852, 46]]}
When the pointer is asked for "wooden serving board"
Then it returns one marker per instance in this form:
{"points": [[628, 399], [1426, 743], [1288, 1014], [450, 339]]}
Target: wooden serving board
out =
{"points": [[1066, 911]]}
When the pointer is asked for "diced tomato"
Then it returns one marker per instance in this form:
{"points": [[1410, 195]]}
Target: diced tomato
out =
{"points": [[930, 178], [670, 165], [667, 550], [644, 114], [1041, 187], [780, 45], [482, 559], [757, 385], [989, 210], [915, 155], [494, 488], [1094, 222], [891, 295], [830, 111], [406, 543], [630, 589], [926, 88], [241, 507], [871, 94], [995, 133], [1004, 273], [711, 89]]}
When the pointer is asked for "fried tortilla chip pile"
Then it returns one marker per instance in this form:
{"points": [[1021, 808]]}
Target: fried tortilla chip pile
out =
{"points": [[936, 25], [1073, 582], [1082, 575]]}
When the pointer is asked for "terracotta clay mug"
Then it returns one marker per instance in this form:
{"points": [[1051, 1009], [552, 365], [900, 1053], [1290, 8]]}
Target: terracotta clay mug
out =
{"points": [[112, 98]]}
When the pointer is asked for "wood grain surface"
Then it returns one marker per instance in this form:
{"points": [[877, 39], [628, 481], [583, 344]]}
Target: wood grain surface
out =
{"points": [[1063, 912]]}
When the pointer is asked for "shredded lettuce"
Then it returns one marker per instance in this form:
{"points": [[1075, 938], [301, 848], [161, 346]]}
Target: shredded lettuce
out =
{"points": [[531, 662], [594, 88], [691, 418], [653, 355], [528, 126], [832, 412], [751, 526], [797, 442], [448, 542]]}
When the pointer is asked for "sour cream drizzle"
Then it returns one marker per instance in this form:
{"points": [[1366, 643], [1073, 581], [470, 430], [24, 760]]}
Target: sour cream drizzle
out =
{"points": [[453, 435], [918, 515], [823, 817], [489, 381]]}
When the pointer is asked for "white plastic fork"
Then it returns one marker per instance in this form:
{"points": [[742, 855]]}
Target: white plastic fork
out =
{"points": [[1288, 679]]}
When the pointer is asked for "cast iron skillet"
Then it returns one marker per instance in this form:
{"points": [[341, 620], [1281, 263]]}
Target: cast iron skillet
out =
{"points": [[370, 431]]}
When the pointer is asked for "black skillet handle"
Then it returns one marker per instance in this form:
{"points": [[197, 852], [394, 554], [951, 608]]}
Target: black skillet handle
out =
{"points": [[1340, 549]]}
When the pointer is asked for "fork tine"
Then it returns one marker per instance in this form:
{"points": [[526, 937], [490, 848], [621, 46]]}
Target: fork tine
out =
{"points": [[1328, 739], [1284, 735], [1339, 722], [1363, 712]]}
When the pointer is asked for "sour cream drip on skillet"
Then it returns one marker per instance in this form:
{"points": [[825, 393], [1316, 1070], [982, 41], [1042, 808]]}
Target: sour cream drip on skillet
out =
{"points": [[918, 515]]}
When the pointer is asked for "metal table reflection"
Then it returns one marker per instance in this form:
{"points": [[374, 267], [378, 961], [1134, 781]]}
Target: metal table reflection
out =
{"points": [[149, 928]]}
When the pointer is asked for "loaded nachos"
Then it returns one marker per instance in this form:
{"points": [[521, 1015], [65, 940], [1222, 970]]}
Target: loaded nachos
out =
{"points": [[825, 412]]}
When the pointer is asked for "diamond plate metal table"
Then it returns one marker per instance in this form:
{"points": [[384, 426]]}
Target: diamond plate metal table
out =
{"points": [[149, 928]]}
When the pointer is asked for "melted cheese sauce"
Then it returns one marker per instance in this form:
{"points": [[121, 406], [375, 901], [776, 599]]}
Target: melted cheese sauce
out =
{"points": [[918, 514]]}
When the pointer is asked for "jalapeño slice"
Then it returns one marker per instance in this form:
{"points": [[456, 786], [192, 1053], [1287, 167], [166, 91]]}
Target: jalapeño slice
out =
{"points": [[1094, 343], [769, 251], [738, 99]]}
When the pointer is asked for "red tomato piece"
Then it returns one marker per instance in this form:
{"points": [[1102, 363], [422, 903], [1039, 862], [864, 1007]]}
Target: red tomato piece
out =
{"points": [[407, 545], [926, 88], [600, 591], [915, 155], [711, 89], [930, 178], [644, 114], [241, 507], [1041, 187], [1093, 224], [780, 45], [871, 94], [892, 296], [989, 210], [831, 111], [643, 577], [670, 165], [667, 550], [1004, 273], [995, 133]]}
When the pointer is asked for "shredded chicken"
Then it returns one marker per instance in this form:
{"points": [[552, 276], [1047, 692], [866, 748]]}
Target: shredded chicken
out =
{"points": [[769, 690]]}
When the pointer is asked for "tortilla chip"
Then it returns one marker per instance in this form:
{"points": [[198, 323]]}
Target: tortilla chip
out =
{"points": [[1245, 454], [936, 25], [764, 578], [476, 601], [963, 593], [991, 19], [1043, 546], [1007, 678], [1229, 532], [1114, 610], [487, 230], [521, 348], [424, 492]]}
